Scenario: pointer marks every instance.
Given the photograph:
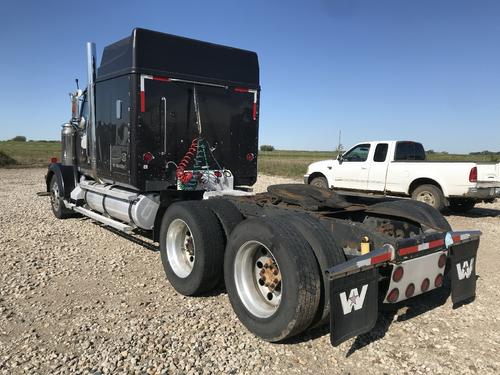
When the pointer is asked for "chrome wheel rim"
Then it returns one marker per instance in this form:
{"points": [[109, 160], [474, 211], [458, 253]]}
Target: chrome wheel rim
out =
{"points": [[180, 248], [258, 279], [426, 197], [54, 196]]}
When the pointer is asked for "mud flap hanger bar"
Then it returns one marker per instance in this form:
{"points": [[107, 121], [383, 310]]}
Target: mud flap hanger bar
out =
{"points": [[354, 284], [387, 253]]}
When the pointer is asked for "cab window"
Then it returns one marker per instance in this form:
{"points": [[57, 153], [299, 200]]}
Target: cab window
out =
{"points": [[409, 151], [358, 153], [380, 152]]}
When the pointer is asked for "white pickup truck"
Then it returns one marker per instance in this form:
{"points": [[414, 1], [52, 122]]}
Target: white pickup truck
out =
{"points": [[399, 168]]}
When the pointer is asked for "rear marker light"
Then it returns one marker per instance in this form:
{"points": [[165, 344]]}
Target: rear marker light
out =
{"points": [[473, 175], [425, 285], [250, 156], [410, 289], [147, 157], [218, 174], [439, 280], [442, 261], [393, 295], [398, 274]]}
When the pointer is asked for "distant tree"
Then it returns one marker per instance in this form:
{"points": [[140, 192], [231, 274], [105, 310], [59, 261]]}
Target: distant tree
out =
{"points": [[444, 152], [19, 138], [266, 148], [430, 152]]}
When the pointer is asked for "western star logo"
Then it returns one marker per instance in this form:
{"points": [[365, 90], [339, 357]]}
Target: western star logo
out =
{"points": [[355, 300], [464, 270]]}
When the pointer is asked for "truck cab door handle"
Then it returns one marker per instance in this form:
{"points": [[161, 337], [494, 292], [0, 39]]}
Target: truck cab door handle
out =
{"points": [[364, 167]]}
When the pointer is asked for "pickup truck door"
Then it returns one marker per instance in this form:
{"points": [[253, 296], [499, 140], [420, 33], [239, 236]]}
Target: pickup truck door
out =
{"points": [[378, 167], [352, 169]]}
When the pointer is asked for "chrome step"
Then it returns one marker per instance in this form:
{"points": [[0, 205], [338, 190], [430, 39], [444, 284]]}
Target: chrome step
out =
{"points": [[103, 219]]}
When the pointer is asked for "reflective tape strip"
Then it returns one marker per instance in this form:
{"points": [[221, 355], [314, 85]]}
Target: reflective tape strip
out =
{"points": [[423, 246], [378, 256], [460, 237]]}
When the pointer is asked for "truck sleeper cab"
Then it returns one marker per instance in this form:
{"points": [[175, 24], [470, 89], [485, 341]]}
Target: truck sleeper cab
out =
{"points": [[168, 163]]}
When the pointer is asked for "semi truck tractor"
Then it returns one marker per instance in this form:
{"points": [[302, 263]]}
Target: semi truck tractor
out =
{"points": [[163, 143]]}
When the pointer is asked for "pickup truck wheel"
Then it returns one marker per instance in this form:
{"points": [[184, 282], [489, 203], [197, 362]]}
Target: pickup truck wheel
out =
{"points": [[272, 278], [430, 194], [191, 247], [462, 205], [320, 182], [56, 201]]}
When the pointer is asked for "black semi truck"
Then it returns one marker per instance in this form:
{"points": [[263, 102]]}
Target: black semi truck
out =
{"points": [[163, 143]]}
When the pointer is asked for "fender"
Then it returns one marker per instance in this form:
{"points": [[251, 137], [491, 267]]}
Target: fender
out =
{"points": [[65, 178]]}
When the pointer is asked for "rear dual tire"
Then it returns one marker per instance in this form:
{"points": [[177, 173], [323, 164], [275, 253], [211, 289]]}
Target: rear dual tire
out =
{"points": [[286, 307]]}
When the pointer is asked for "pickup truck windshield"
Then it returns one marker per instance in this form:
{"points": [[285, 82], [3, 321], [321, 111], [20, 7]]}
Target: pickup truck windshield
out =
{"points": [[409, 151]]}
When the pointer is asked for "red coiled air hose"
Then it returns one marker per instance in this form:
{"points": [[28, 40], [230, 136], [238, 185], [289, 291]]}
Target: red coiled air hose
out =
{"points": [[185, 177]]}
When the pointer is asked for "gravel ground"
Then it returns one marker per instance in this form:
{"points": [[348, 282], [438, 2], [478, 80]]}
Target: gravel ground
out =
{"points": [[77, 298]]}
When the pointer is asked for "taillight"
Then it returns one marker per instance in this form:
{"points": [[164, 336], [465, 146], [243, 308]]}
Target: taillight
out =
{"points": [[473, 175], [410, 289], [250, 156], [53, 160], [398, 274], [218, 174], [442, 261], [425, 285], [147, 157], [439, 280], [393, 295]]}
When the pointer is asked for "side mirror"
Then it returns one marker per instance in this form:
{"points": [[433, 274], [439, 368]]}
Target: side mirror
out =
{"points": [[340, 158]]}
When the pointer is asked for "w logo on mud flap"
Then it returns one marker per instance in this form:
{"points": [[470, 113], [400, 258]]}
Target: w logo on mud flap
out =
{"points": [[355, 300], [464, 270]]}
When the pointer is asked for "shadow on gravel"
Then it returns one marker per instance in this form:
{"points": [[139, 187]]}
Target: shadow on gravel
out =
{"points": [[477, 212], [401, 312], [133, 238]]}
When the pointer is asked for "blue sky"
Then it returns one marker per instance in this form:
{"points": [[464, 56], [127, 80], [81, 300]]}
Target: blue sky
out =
{"points": [[426, 70]]}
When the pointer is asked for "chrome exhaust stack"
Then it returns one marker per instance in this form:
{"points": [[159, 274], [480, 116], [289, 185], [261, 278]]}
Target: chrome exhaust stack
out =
{"points": [[91, 136]]}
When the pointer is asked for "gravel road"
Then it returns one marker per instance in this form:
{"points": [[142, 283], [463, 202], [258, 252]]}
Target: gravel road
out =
{"points": [[78, 298]]}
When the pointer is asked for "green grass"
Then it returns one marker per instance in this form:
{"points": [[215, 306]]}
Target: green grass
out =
{"points": [[276, 163], [290, 163], [31, 154], [294, 163]]}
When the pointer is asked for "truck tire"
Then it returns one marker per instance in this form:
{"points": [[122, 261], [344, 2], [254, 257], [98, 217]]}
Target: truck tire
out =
{"points": [[56, 201], [227, 213], [191, 247], [430, 194], [461, 205], [320, 182], [327, 252], [272, 278]]}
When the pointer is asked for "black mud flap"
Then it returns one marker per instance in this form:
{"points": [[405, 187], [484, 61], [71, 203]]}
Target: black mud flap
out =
{"points": [[354, 305], [463, 271]]}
